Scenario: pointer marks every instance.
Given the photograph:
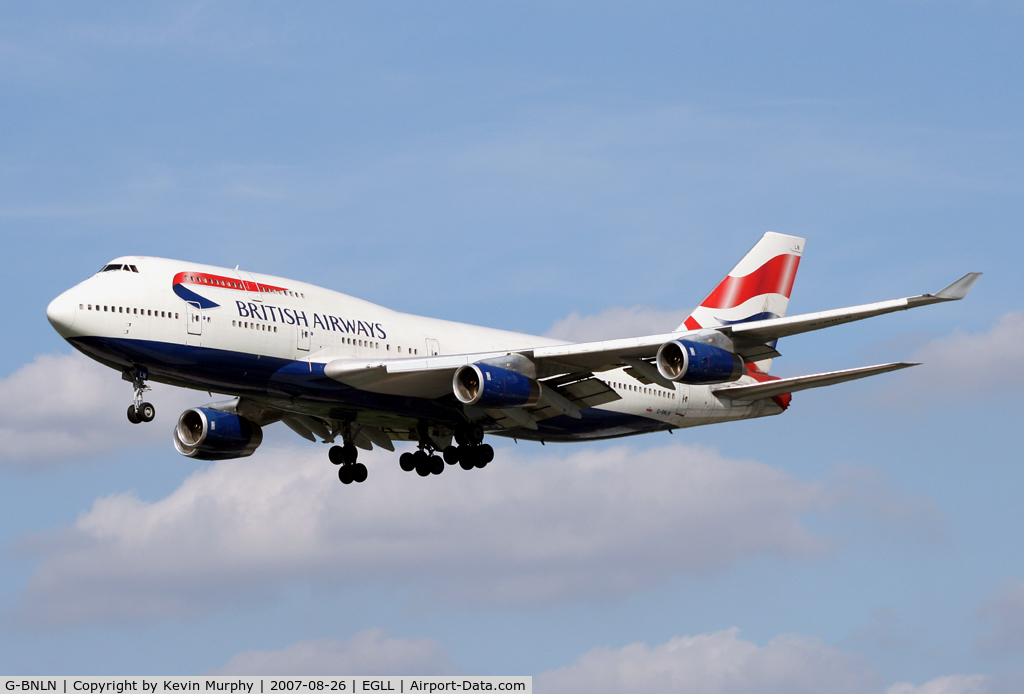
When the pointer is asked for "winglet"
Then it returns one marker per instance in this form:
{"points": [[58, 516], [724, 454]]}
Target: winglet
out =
{"points": [[958, 289]]}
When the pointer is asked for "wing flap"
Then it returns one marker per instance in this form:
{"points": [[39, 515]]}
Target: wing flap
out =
{"points": [[770, 389]]}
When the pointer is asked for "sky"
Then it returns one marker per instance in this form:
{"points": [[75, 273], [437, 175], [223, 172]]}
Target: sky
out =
{"points": [[581, 170]]}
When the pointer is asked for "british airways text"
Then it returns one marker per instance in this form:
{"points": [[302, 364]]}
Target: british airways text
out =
{"points": [[291, 316]]}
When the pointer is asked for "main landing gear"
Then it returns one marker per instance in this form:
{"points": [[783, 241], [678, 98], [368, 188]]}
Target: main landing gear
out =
{"points": [[470, 452], [140, 411], [349, 471]]}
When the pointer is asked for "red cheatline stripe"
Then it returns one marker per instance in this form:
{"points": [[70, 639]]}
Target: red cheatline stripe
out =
{"points": [[692, 324], [206, 279], [774, 277]]}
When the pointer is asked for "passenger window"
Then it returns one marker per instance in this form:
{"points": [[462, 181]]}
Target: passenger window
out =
{"points": [[175, 315]]}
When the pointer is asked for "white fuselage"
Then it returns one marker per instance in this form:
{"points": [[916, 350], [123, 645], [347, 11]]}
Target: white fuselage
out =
{"points": [[168, 316]]}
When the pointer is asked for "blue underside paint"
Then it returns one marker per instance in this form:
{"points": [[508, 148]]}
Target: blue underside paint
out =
{"points": [[301, 386]]}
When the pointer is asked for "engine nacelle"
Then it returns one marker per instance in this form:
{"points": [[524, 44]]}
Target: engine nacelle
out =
{"points": [[484, 385], [208, 434], [696, 363]]}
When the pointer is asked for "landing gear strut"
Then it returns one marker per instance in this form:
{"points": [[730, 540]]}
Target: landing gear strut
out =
{"points": [[140, 411]]}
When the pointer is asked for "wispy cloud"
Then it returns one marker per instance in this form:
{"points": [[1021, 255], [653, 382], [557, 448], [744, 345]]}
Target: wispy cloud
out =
{"points": [[616, 322], [970, 364], [1006, 610], [528, 530], [369, 652], [66, 407], [723, 663]]}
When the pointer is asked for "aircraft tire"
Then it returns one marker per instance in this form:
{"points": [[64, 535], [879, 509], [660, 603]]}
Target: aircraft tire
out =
{"points": [[132, 416], [407, 461], [450, 455], [436, 464], [486, 453], [475, 434], [335, 455], [349, 454], [422, 463], [345, 474], [359, 473], [146, 412]]}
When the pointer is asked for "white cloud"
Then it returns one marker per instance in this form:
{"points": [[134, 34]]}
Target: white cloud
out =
{"points": [[949, 684], [367, 653], [971, 364], [616, 322], [525, 531], [723, 663], [68, 406], [1007, 610], [713, 663]]}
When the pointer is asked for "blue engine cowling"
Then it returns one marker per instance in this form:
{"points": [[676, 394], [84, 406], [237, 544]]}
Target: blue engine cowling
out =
{"points": [[696, 363], [208, 434], [484, 385]]}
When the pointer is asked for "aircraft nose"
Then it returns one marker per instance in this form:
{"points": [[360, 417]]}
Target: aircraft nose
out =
{"points": [[61, 314]]}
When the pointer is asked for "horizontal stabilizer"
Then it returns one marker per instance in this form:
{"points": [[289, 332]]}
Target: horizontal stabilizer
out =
{"points": [[770, 389]]}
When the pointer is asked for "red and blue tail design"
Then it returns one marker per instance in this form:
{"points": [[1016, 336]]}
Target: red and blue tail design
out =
{"points": [[757, 288]]}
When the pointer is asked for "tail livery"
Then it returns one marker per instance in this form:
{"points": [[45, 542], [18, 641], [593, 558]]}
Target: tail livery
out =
{"points": [[757, 288]]}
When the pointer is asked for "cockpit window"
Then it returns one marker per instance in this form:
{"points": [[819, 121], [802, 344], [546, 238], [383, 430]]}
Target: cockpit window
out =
{"points": [[119, 266]]}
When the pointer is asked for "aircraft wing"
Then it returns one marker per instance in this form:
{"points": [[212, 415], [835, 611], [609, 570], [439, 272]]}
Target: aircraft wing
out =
{"points": [[764, 331], [431, 377]]}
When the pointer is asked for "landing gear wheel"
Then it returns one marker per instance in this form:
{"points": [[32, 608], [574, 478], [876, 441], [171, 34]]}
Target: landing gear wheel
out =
{"points": [[407, 461], [450, 455], [132, 416], [422, 463], [475, 434], [146, 412], [349, 453], [436, 464], [468, 457], [359, 473], [335, 455], [345, 474], [486, 453]]}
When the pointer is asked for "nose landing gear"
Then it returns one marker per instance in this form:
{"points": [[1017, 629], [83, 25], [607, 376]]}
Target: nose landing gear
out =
{"points": [[140, 411]]}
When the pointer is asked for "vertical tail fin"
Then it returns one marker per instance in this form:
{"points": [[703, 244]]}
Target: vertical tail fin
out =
{"points": [[757, 288]]}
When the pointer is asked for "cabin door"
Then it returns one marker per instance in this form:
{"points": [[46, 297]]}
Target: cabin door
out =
{"points": [[194, 314], [433, 349]]}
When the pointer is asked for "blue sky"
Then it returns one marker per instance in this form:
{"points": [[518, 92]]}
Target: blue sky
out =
{"points": [[580, 169]]}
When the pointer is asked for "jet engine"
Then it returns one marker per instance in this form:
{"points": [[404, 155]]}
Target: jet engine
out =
{"points": [[696, 363], [208, 434], [484, 385]]}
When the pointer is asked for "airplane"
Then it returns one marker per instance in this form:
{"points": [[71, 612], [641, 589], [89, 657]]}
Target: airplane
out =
{"points": [[331, 366]]}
